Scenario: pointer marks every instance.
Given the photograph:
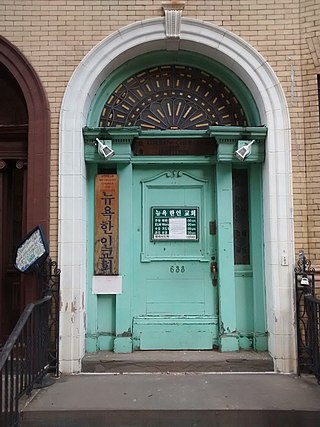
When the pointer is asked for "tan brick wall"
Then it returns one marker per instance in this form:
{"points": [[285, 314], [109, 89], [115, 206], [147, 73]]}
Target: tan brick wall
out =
{"points": [[56, 34], [310, 64]]}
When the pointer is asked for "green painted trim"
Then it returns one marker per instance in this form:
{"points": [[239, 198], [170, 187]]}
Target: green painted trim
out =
{"points": [[229, 342], [159, 332], [255, 341], [225, 252], [151, 59], [225, 153], [105, 321], [257, 336], [122, 345], [123, 340], [118, 135], [260, 342], [238, 132], [91, 300], [173, 134], [225, 137], [100, 322], [220, 133], [105, 342], [91, 344], [165, 160], [245, 341], [243, 273], [257, 256], [91, 155]]}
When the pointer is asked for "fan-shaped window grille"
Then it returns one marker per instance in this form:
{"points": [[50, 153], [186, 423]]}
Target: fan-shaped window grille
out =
{"points": [[172, 97]]}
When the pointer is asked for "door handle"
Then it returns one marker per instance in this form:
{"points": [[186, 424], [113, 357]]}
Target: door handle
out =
{"points": [[214, 272], [213, 267]]}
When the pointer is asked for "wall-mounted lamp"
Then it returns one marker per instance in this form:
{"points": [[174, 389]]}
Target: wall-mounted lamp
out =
{"points": [[105, 149], [244, 149]]}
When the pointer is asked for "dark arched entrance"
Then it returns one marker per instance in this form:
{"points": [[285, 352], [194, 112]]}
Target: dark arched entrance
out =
{"points": [[24, 174]]}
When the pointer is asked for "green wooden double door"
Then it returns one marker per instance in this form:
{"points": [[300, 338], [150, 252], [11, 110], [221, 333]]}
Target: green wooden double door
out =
{"points": [[174, 295]]}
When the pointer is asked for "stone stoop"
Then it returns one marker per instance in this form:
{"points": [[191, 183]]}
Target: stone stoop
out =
{"points": [[177, 361], [176, 400]]}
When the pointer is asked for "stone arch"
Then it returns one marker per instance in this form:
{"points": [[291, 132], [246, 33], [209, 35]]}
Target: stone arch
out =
{"points": [[37, 105], [234, 53]]}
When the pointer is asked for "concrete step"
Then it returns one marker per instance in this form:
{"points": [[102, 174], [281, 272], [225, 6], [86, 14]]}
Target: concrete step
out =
{"points": [[176, 400], [177, 361]]}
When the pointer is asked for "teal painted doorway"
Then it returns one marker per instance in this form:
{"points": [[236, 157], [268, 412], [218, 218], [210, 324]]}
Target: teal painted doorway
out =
{"points": [[174, 303]]}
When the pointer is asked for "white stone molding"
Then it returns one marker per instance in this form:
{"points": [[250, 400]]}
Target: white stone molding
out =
{"points": [[256, 73], [172, 14]]}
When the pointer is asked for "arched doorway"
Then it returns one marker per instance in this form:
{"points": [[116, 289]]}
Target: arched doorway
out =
{"points": [[255, 73], [24, 175], [176, 301]]}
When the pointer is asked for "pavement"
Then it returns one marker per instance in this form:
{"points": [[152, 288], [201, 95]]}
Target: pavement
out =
{"points": [[177, 399]]}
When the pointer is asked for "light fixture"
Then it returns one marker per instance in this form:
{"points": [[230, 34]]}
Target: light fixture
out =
{"points": [[244, 149], [105, 149]]}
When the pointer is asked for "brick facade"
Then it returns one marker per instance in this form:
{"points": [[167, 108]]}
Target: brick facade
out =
{"points": [[55, 35]]}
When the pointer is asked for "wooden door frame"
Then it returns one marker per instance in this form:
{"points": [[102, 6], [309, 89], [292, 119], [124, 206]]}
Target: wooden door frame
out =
{"points": [[2, 326], [38, 173]]}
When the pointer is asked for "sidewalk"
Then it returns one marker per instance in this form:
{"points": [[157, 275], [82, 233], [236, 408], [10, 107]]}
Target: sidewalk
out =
{"points": [[177, 399]]}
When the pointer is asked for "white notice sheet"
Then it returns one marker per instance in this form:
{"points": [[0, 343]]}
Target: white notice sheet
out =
{"points": [[177, 228]]}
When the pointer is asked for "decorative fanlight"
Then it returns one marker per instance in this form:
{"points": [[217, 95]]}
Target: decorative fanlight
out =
{"points": [[172, 97]]}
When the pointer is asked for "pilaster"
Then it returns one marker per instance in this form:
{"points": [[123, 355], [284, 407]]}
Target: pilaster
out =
{"points": [[123, 339], [225, 252]]}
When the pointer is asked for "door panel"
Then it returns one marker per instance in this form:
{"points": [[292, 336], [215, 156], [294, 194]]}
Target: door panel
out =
{"points": [[11, 222], [181, 296], [174, 189], [173, 250]]}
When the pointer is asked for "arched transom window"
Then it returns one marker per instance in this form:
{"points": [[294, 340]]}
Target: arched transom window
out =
{"points": [[172, 97]]}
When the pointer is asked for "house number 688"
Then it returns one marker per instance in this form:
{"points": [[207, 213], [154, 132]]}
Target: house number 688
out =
{"points": [[177, 269]]}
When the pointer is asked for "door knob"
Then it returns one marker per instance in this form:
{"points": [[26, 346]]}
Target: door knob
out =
{"points": [[213, 267], [214, 272]]}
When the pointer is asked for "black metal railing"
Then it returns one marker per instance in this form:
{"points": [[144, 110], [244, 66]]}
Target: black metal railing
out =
{"points": [[49, 278], [24, 359], [312, 306], [308, 317]]}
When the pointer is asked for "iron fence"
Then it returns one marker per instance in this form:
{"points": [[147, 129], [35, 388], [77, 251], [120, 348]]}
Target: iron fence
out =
{"points": [[49, 278], [24, 359], [308, 318], [312, 305]]}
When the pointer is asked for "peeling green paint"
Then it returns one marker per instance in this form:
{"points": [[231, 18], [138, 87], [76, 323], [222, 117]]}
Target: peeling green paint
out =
{"points": [[125, 334]]}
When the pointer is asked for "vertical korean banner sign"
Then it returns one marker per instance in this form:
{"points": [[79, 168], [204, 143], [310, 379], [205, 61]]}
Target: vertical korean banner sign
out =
{"points": [[106, 260]]}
